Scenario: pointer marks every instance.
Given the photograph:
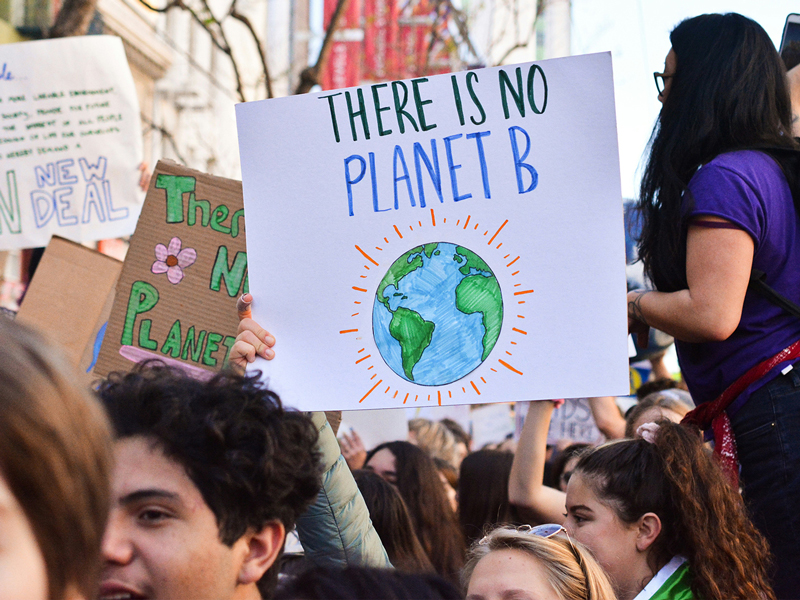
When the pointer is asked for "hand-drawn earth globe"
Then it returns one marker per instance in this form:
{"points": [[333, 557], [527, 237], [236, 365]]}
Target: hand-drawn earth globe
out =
{"points": [[438, 313]]}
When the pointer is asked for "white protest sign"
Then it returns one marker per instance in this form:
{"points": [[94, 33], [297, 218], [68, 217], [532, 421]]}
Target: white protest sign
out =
{"points": [[375, 427], [451, 239], [70, 141], [574, 421]]}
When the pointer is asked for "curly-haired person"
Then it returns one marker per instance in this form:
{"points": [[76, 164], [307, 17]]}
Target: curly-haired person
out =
{"points": [[208, 478]]}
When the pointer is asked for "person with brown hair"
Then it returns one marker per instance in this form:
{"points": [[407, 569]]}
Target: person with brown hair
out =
{"points": [[483, 492], [672, 404], [414, 473], [657, 512], [55, 465], [533, 562], [389, 515]]}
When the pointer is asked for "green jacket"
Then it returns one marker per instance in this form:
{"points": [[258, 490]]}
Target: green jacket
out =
{"points": [[336, 530]]}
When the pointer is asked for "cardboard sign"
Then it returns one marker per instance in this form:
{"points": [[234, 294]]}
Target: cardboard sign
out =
{"points": [[186, 266], [70, 141], [450, 239], [69, 299]]}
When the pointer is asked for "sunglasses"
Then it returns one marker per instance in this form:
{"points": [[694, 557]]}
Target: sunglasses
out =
{"points": [[543, 531]]}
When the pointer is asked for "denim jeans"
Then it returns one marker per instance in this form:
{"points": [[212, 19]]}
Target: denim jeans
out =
{"points": [[767, 431]]}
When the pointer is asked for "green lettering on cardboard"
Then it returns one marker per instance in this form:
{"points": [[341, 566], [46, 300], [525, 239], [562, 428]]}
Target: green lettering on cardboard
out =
{"points": [[173, 344], [232, 274], [229, 341], [175, 187], [143, 297], [144, 335], [239, 214], [193, 346], [205, 209], [212, 345], [217, 217]]}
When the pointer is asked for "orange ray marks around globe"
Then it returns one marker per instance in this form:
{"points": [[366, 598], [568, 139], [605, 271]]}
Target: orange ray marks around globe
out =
{"points": [[358, 289], [388, 387], [521, 316], [521, 302], [429, 397], [348, 330], [379, 249], [476, 226], [363, 277], [373, 377], [519, 331], [512, 262], [387, 239], [420, 223], [517, 284], [354, 314], [397, 231], [508, 366], [464, 390], [515, 273], [363, 358], [449, 394], [439, 396], [444, 220], [475, 387], [360, 351], [370, 367], [356, 302], [509, 353], [395, 393], [523, 292], [483, 380], [494, 370], [486, 233], [366, 267], [514, 343], [496, 232], [433, 218], [411, 228], [458, 222], [467, 221], [498, 246], [405, 399], [372, 389], [416, 398]]}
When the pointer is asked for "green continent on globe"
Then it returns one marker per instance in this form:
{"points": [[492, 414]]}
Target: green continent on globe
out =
{"points": [[480, 294], [414, 335], [398, 270], [473, 261]]}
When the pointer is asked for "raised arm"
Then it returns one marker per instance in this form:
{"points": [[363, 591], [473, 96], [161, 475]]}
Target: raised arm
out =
{"points": [[526, 490]]}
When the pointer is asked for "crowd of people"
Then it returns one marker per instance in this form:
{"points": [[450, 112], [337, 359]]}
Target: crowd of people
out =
{"points": [[160, 486]]}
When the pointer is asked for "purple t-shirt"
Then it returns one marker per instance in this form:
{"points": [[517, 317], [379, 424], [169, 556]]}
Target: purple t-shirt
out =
{"points": [[749, 189]]}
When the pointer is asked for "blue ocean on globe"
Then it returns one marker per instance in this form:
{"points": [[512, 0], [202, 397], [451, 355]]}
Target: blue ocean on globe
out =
{"points": [[457, 343]]}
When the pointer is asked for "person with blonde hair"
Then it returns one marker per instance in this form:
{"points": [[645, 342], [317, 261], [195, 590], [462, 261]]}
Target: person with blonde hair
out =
{"points": [[535, 561], [55, 466], [435, 439]]}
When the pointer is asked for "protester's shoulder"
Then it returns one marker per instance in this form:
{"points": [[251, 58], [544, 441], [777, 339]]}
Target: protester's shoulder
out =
{"points": [[753, 167]]}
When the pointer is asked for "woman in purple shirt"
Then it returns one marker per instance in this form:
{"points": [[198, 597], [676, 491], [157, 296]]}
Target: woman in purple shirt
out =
{"points": [[717, 205]]}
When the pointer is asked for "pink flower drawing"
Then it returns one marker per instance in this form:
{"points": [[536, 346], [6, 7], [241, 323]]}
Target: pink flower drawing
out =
{"points": [[172, 260]]}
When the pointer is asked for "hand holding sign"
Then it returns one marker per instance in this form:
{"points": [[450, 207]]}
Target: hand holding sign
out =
{"points": [[252, 339]]}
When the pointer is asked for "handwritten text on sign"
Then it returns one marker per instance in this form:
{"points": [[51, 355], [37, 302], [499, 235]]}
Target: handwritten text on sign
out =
{"points": [[70, 141]]}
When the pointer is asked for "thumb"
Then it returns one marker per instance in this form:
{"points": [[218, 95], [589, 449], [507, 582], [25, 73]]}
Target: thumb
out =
{"points": [[243, 306]]}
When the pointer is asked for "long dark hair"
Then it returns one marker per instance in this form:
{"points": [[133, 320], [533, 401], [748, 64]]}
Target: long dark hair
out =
{"points": [[728, 93], [434, 521], [702, 517], [389, 515], [483, 492]]}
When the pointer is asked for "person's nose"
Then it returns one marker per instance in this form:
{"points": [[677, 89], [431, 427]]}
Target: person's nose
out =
{"points": [[117, 545]]}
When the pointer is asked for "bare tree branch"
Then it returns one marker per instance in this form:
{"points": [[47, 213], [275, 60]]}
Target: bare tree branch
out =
{"points": [[310, 75], [235, 14], [166, 134], [73, 18]]}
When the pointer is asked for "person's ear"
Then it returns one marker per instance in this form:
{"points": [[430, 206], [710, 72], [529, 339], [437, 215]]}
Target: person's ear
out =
{"points": [[648, 529], [261, 551]]}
